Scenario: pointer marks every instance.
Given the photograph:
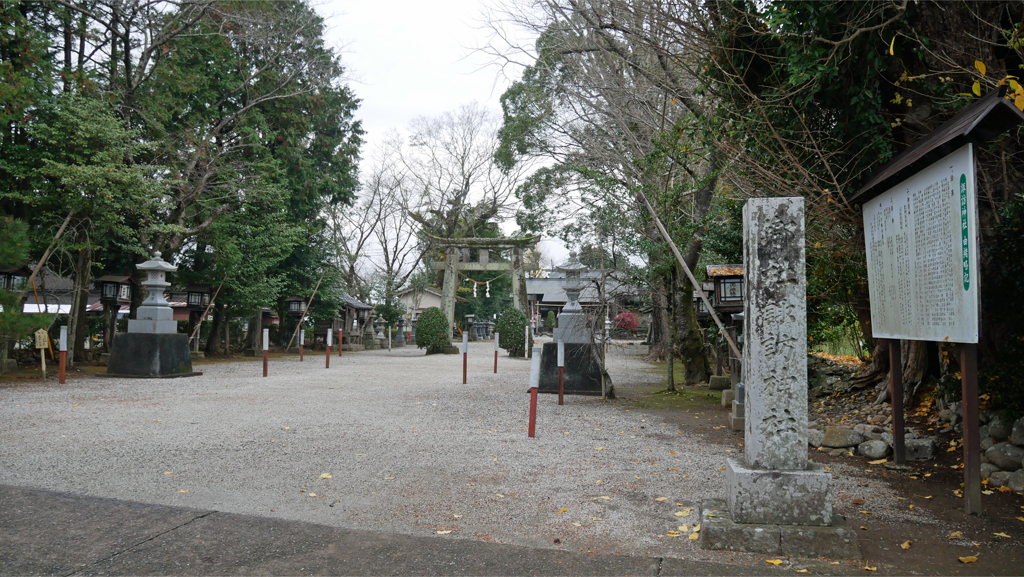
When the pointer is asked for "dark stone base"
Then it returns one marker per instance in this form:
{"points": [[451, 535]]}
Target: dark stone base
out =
{"points": [[353, 348], [146, 355], [451, 351], [719, 532], [582, 371]]}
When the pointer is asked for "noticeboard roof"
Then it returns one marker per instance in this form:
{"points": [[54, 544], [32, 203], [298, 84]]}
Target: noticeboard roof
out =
{"points": [[980, 122]]}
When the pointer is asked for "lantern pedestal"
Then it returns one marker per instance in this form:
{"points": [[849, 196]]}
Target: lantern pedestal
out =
{"points": [[150, 356], [582, 369]]}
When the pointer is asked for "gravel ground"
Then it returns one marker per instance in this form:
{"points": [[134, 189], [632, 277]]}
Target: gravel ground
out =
{"points": [[386, 441]]}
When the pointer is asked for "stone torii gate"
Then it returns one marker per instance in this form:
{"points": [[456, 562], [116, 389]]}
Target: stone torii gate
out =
{"points": [[457, 259]]}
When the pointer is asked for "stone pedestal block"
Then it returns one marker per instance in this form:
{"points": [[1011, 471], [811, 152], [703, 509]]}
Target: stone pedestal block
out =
{"points": [[719, 383], [728, 396], [582, 371], [719, 531], [143, 355], [773, 497]]}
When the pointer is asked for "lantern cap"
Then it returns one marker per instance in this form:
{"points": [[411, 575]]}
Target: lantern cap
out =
{"points": [[572, 265], [156, 264]]}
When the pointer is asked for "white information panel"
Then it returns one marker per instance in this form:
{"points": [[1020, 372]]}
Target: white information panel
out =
{"points": [[921, 239]]}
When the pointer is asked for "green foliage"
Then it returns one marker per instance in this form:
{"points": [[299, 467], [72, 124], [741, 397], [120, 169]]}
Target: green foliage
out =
{"points": [[1001, 293], [391, 312], [14, 324], [833, 329], [432, 331], [552, 320], [512, 328]]}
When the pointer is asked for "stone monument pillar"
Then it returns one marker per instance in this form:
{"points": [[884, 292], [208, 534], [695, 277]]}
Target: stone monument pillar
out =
{"points": [[152, 347], [778, 500]]}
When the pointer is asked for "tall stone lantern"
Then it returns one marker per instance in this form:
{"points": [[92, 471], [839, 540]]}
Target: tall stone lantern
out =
{"points": [[152, 347], [572, 321]]}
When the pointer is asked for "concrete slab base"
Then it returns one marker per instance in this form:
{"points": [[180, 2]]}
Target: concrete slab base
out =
{"points": [[147, 355], [791, 497], [719, 532]]}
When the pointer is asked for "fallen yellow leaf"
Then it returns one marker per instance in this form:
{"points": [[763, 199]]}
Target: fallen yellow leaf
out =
{"points": [[673, 534], [694, 536], [659, 499], [443, 532], [905, 545], [988, 492], [969, 559], [599, 449], [865, 512], [596, 519], [312, 494], [774, 561], [563, 510], [168, 472], [325, 476], [1020, 518], [696, 527], [576, 525], [1001, 535], [183, 491], [878, 462], [956, 534], [684, 528], [802, 571], [929, 497], [500, 496], [866, 568]]}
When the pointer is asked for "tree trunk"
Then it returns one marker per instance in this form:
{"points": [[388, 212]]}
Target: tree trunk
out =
{"points": [[254, 338], [688, 343], [76, 318], [670, 349], [659, 322], [875, 371], [213, 342]]}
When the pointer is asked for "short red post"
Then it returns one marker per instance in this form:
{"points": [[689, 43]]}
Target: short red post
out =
{"points": [[534, 384], [561, 372], [465, 355], [341, 334], [329, 333], [495, 353], [266, 345], [63, 352]]}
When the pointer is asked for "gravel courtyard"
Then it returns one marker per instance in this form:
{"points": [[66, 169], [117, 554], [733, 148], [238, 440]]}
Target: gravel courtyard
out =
{"points": [[387, 441]]}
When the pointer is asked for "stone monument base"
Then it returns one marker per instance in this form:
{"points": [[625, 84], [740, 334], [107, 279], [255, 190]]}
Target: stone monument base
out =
{"points": [[8, 366], [737, 420], [353, 347], [774, 497], [718, 531], [728, 396], [148, 355], [582, 371]]}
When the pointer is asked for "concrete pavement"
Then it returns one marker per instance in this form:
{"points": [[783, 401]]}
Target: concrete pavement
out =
{"points": [[50, 533]]}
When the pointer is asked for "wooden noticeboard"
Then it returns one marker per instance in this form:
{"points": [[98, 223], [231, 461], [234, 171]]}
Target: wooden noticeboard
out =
{"points": [[922, 254]]}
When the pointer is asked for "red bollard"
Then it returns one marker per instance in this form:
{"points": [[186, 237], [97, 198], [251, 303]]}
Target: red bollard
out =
{"points": [[561, 371], [495, 353], [63, 352], [266, 347], [329, 333], [533, 411], [341, 333], [302, 341], [465, 355]]}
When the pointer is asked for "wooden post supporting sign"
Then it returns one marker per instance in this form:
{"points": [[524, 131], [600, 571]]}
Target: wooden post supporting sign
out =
{"points": [[899, 447], [972, 442]]}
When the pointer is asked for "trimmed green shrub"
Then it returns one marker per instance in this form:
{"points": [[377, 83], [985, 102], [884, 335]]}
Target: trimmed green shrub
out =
{"points": [[552, 321], [512, 328], [432, 331]]}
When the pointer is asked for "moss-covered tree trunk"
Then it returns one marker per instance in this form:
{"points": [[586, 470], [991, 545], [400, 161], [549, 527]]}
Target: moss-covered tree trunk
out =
{"points": [[689, 345]]}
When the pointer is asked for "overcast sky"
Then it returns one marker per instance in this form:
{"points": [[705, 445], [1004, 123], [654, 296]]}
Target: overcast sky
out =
{"points": [[416, 58]]}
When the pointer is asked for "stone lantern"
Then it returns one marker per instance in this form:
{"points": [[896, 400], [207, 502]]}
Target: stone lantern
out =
{"points": [[572, 321], [152, 347]]}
